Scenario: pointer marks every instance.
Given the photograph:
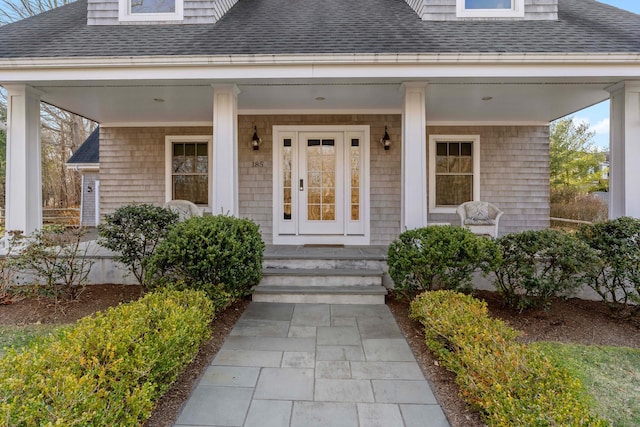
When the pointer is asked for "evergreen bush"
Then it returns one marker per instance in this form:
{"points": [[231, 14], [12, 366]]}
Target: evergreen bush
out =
{"points": [[108, 369], [538, 265], [439, 257], [510, 383], [208, 253], [616, 277]]}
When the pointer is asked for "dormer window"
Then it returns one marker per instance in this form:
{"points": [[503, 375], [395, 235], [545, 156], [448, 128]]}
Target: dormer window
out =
{"points": [[151, 10], [490, 8]]}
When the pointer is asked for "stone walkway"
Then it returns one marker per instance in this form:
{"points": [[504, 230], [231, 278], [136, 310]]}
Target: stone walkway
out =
{"points": [[308, 365]]}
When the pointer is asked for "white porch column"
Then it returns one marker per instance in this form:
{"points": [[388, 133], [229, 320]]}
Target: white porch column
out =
{"points": [[24, 170], [225, 150], [414, 156], [624, 174]]}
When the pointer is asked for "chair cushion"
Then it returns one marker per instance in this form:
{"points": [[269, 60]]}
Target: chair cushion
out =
{"points": [[478, 214]]}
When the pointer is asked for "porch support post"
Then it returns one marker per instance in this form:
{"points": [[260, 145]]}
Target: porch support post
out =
{"points": [[225, 150], [414, 156], [624, 175], [24, 170]]}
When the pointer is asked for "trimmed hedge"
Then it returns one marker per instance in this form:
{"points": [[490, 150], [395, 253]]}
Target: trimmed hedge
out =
{"points": [[616, 275], [108, 369], [510, 383], [209, 253], [538, 265], [439, 257]]}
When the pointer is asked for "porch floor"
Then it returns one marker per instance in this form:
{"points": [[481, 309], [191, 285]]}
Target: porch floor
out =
{"points": [[308, 365]]}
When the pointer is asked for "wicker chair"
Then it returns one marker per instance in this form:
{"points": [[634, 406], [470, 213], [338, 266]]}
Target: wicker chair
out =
{"points": [[480, 218], [184, 208]]}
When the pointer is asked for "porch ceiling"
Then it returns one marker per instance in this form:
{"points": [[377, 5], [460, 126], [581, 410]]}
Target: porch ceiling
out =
{"points": [[448, 100]]}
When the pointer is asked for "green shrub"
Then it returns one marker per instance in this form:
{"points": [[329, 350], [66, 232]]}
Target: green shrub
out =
{"points": [[107, 370], [209, 252], [616, 278], [439, 257], [55, 260], [539, 265], [510, 383], [133, 232]]}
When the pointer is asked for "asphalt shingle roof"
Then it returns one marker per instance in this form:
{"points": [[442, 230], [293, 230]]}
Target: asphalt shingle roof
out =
{"points": [[89, 151], [328, 26]]}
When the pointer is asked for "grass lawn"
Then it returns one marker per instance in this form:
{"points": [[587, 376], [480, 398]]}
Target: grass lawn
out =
{"points": [[19, 336], [609, 374]]}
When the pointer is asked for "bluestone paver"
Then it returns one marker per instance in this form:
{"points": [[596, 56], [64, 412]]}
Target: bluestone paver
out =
{"points": [[379, 415], [269, 413], [308, 365]]}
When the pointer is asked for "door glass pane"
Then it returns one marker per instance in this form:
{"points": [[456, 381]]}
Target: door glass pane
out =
{"points": [[286, 178], [321, 177], [355, 179]]}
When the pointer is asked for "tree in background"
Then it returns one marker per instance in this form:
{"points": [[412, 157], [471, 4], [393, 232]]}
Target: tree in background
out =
{"points": [[576, 171], [576, 162], [14, 10]]}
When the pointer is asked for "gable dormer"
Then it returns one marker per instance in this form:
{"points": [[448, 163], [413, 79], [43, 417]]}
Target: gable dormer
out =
{"points": [[136, 12], [464, 10]]}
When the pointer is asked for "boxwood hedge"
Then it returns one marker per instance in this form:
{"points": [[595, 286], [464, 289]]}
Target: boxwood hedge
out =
{"points": [[108, 369]]}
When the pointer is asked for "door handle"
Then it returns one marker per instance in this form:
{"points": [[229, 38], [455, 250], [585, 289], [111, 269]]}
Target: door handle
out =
{"points": [[302, 185]]}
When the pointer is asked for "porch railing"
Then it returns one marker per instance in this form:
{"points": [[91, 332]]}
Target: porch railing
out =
{"points": [[63, 216], [567, 224]]}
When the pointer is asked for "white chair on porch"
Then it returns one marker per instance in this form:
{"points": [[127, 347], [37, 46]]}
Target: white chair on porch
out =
{"points": [[184, 208], [480, 218]]}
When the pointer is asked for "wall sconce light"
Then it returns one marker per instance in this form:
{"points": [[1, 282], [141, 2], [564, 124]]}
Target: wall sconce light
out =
{"points": [[256, 142], [386, 140]]}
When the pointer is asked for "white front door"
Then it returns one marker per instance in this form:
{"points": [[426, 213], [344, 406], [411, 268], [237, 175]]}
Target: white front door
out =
{"points": [[321, 184], [321, 192]]}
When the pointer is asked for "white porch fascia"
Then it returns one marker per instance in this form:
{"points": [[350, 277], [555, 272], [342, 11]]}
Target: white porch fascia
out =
{"points": [[414, 156], [624, 175], [225, 150], [24, 170]]}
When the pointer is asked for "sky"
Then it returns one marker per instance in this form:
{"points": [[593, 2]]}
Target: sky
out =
{"points": [[598, 116]]}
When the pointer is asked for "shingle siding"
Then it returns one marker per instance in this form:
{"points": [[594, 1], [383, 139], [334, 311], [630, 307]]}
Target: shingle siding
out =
{"points": [[105, 12], [514, 169], [514, 174], [445, 10]]}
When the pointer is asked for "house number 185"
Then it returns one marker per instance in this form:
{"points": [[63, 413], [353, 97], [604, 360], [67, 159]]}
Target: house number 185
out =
{"points": [[257, 164]]}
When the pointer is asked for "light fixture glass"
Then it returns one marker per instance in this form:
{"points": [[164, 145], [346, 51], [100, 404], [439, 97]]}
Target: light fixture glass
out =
{"points": [[385, 141], [255, 140]]}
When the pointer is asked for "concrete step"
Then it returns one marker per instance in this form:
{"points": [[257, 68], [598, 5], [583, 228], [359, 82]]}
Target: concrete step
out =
{"points": [[326, 263], [321, 277], [320, 295]]}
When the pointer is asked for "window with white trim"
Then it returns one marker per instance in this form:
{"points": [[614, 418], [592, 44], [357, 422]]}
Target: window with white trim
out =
{"points": [[490, 8], [454, 171], [188, 171], [151, 10]]}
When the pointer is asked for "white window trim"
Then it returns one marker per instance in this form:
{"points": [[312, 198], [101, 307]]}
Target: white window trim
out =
{"points": [[433, 139], [517, 11], [125, 15], [168, 161]]}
